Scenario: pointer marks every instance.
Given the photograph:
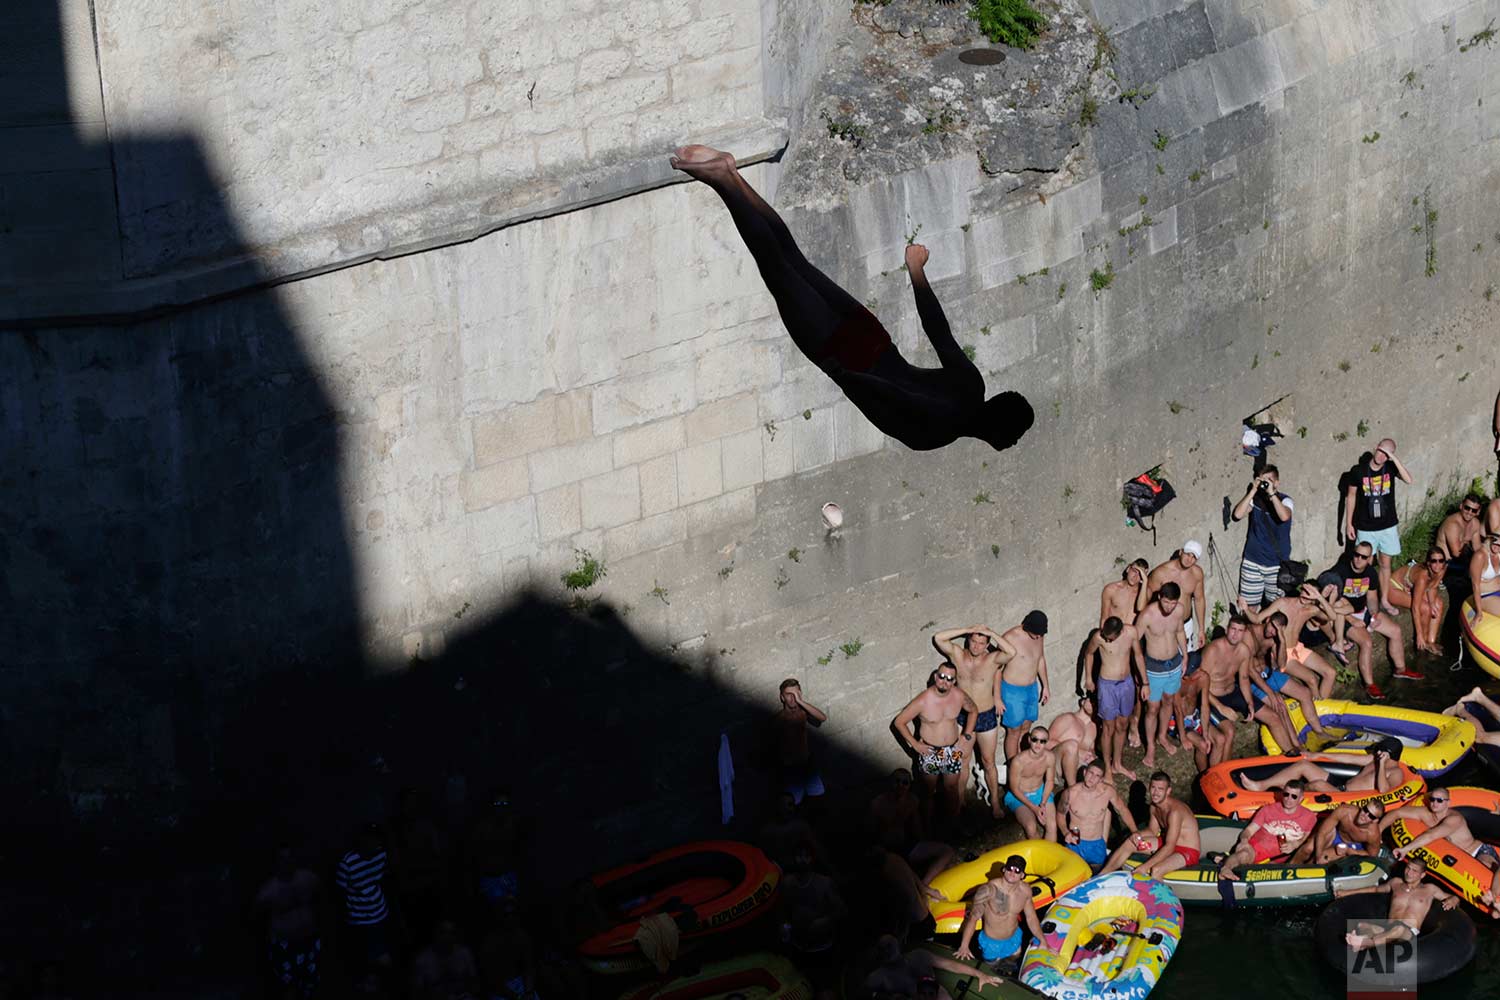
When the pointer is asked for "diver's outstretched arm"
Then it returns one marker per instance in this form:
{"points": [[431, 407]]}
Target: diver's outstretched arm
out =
{"points": [[934, 323]]}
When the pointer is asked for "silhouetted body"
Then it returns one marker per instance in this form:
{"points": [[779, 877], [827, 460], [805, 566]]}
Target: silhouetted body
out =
{"points": [[923, 408]]}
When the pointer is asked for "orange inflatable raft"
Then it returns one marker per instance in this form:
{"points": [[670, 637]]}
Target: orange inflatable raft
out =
{"points": [[1228, 797]]}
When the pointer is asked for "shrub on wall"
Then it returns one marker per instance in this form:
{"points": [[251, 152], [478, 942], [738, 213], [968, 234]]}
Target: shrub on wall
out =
{"points": [[1010, 22]]}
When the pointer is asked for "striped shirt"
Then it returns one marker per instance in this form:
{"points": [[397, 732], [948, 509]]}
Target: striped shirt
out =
{"points": [[359, 878]]}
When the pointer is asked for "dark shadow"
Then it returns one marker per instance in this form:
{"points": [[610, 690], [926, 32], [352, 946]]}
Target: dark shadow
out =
{"points": [[188, 680]]}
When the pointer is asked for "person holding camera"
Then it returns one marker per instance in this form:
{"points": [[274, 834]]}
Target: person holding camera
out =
{"points": [[1269, 541]]}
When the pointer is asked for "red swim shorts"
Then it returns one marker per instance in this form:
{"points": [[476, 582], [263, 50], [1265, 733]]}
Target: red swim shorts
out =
{"points": [[857, 343]]}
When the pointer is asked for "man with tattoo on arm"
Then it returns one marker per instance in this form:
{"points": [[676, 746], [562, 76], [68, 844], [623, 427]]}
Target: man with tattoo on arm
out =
{"points": [[1000, 905]]}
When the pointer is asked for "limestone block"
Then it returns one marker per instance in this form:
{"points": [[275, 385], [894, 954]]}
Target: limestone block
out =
{"points": [[1009, 343], [1164, 233], [494, 484], [722, 72], [429, 114], [658, 485], [605, 64], [813, 440], [637, 20], [559, 149], [559, 512], [778, 456], [640, 444], [737, 368], [619, 97], [700, 473], [743, 461], [645, 535], [1245, 74], [722, 418], [627, 402], [612, 499], [726, 510], [503, 526], [570, 463], [561, 418], [1190, 36], [853, 434]]}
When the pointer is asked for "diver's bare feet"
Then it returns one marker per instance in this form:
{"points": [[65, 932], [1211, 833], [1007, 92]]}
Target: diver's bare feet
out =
{"points": [[705, 163]]}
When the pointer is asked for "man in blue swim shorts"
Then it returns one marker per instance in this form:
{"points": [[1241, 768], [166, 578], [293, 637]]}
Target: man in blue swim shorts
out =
{"points": [[1161, 626], [998, 909], [1085, 813], [1030, 774], [1024, 687], [977, 653]]}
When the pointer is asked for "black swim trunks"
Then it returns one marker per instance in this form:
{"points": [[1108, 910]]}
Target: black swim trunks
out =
{"points": [[856, 344]]}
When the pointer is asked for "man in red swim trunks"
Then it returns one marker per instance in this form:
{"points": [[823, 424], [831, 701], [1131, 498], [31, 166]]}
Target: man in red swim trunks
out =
{"points": [[1275, 831], [1171, 835], [923, 408]]}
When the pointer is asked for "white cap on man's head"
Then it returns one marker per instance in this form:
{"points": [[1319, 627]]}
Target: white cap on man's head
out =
{"points": [[1192, 548]]}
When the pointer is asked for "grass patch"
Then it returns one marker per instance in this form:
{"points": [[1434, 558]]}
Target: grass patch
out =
{"points": [[1100, 280], [586, 571], [1009, 22]]}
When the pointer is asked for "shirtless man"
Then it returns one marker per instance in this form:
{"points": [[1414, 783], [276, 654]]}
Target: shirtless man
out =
{"points": [[1024, 686], [1183, 570], [1352, 828], [1120, 664], [1085, 809], [798, 775], [1001, 904], [1410, 901], [944, 742], [1163, 630], [1272, 642], [1223, 660], [1124, 599], [1276, 830], [1446, 823], [895, 823], [1307, 612], [1252, 697], [1171, 834], [1074, 738], [1380, 773], [979, 659], [1029, 776], [289, 901], [1461, 530]]}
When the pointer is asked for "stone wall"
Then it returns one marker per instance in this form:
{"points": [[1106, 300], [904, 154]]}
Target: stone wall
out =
{"points": [[357, 473]]}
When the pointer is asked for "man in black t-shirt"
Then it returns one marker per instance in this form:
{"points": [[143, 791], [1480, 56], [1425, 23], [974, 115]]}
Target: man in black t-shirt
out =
{"points": [[1348, 586], [1370, 509]]}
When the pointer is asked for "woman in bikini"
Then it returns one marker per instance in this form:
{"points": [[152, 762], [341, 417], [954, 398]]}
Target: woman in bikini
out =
{"points": [[1484, 575], [923, 408], [1415, 587]]}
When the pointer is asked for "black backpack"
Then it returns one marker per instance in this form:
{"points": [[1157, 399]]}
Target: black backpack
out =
{"points": [[1144, 497]]}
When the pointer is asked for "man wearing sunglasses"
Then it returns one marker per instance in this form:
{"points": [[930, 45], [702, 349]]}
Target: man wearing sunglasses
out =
{"points": [[1352, 828], [1410, 901], [999, 907], [1029, 776], [943, 746], [1349, 585], [1444, 822], [1370, 509], [1276, 830], [1461, 530]]}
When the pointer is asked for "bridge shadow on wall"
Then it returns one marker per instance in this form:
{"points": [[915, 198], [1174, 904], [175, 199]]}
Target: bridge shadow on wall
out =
{"points": [[188, 677]]}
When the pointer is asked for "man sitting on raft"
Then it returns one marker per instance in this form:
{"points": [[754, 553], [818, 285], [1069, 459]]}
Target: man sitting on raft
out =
{"points": [[1172, 834], [1085, 808], [1410, 901], [1276, 830], [1352, 828], [1445, 823], [1380, 773], [923, 408], [1000, 905]]}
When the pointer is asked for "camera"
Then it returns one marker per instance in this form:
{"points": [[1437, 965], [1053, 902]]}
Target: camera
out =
{"points": [[1262, 485]]}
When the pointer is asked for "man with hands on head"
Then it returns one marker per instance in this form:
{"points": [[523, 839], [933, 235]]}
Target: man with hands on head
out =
{"points": [[1370, 510], [978, 658]]}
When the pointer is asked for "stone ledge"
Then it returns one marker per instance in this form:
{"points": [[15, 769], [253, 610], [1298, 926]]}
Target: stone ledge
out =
{"points": [[416, 230]]}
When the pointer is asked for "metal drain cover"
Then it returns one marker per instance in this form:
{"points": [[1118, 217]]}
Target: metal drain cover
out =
{"points": [[981, 57]]}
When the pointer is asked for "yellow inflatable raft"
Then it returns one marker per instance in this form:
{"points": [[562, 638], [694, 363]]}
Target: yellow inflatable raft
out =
{"points": [[1433, 743], [1483, 641], [1051, 870]]}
